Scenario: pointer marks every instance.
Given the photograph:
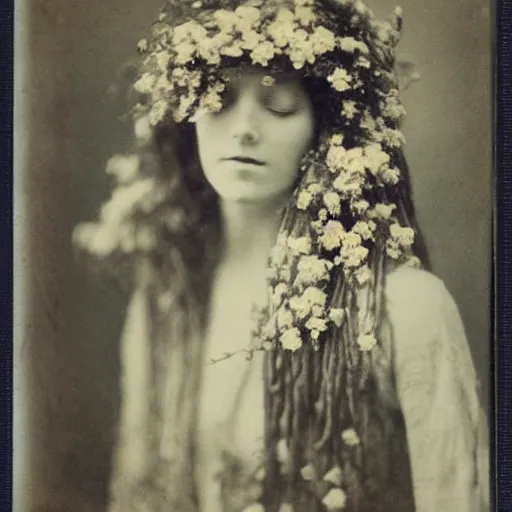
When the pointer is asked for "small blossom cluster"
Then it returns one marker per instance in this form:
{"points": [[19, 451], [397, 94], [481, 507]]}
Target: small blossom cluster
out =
{"points": [[301, 267], [335, 498], [125, 224]]}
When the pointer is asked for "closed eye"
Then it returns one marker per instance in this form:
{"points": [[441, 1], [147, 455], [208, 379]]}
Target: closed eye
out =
{"points": [[282, 112]]}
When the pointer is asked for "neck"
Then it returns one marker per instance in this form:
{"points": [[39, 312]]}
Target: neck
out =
{"points": [[250, 229]]}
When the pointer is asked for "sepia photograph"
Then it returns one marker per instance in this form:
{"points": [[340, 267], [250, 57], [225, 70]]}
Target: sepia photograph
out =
{"points": [[252, 267]]}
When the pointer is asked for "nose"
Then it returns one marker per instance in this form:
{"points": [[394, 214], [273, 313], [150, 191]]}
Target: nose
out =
{"points": [[245, 126]]}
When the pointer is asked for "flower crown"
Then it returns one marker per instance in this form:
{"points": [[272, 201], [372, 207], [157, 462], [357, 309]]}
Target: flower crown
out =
{"points": [[338, 40], [356, 161]]}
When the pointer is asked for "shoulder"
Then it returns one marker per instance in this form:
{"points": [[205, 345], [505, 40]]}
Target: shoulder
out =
{"points": [[417, 297], [420, 311]]}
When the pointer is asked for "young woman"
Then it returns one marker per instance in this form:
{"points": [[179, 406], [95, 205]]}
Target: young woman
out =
{"points": [[285, 348]]}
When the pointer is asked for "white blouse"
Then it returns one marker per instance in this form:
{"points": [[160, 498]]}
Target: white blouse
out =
{"points": [[427, 371]]}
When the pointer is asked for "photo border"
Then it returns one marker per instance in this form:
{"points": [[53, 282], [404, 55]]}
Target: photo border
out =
{"points": [[6, 251], [501, 437], [501, 360]]}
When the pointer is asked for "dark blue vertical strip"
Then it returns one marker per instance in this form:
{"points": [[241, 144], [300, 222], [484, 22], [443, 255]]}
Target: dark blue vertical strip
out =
{"points": [[503, 366], [6, 244]]}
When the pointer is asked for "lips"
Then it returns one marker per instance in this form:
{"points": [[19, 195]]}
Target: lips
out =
{"points": [[246, 160]]}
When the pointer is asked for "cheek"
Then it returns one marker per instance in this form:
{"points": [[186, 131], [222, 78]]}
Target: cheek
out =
{"points": [[292, 143], [206, 136]]}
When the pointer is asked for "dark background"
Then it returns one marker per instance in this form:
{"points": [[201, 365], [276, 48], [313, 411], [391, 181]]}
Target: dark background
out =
{"points": [[68, 58]]}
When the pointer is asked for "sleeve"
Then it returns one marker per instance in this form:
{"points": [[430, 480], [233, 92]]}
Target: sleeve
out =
{"points": [[437, 391], [130, 461]]}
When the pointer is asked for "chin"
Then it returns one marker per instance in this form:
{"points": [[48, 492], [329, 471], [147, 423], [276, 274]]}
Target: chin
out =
{"points": [[253, 196]]}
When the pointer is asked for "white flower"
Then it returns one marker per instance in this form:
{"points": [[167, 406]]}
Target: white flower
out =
{"points": [[233, 50], [347, 184], [305, 15], [251, 39], [290, 339], [282, 29], [363, 275], [332, 235], [368, 122], [360, 206], [348, 44], [350, 437], [391, 106], [376, 157], [394, 138], [351, 239], [336, 157], [226, 20], [308, 472], [349, 109], [317, 324], [393, 250], [301, 306], [383, 211], [334, 476], [157, 112], [301, 49], [284, 318], [142, 45], [355, 162], [340, 79], [278, 293], [337, 139], [335, 499], [145, 83], [355, 256], [263, 53], [337, 315], [403, 235], [183, 110], [366, 342], [323, 40], [315, 296], [311, 298], [285, 507], [161, 59], [304, 200], [312, 269], [315, 188], [210, 102], [301, 245], [322, 214], [391, 175], [185, 52], [365, 229], [332, 201], [123, 167], [180, 76], [247, 16]]}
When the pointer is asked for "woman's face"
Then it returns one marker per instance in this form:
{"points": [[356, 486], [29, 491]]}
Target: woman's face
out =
{"points": [[251, 149]]}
